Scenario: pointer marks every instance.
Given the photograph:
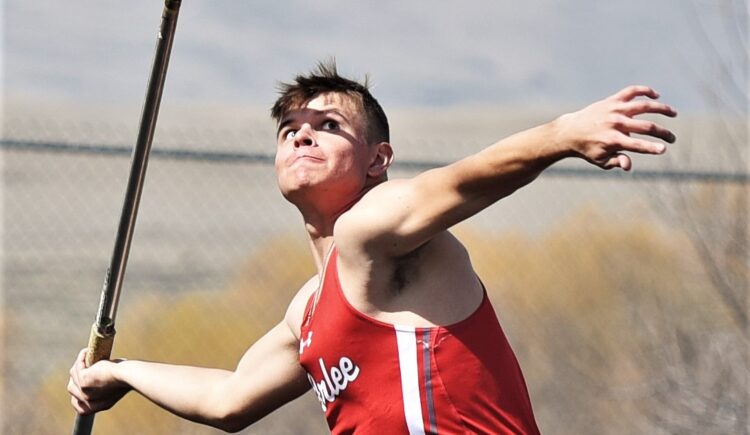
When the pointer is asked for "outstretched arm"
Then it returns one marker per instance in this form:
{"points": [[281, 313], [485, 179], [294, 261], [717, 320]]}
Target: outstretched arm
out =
{"points": [[435, 200], [268, 376]]}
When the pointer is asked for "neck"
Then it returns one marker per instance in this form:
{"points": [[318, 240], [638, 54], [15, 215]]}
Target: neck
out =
{"points": [[319, 226], [320, 219]]}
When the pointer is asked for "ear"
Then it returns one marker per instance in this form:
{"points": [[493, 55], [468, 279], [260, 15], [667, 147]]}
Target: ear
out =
{"points": [[381, 161]]}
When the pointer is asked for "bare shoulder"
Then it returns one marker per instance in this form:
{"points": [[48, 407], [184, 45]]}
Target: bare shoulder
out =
{"points": [[375, 217], [296, 310], [384, 194]]}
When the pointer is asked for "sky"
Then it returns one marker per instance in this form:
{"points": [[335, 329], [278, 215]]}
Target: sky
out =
{"points": [[417, 53]]}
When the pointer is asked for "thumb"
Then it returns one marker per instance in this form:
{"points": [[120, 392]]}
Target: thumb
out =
{"points": [[81, 360]]}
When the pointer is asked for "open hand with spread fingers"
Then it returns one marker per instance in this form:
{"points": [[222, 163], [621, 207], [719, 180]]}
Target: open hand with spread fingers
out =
{"points": [[601, 132]]}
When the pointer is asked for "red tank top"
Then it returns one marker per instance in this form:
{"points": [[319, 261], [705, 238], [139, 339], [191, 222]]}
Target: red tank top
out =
{"points": [[373, 377]]}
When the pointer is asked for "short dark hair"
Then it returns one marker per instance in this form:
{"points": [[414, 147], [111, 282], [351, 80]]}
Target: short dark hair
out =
{"points": [[325, 79]]}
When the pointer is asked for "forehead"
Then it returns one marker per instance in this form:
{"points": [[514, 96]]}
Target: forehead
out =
{"points": [[331, 101]]}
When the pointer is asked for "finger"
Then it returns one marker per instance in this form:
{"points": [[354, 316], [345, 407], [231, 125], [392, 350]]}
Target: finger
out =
{"points": [[612, 162], [76, 404], [74, 389], [632, 108], [78, 399], [81, 359], [641, 146], [79, 365], [631, 92], [74, 376], [618, 160], [79, 392], [81, 407], [630, 125], [624, 161]]}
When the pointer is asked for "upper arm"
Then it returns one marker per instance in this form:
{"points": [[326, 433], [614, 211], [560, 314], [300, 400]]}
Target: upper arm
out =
{"points": [[398, 216]]}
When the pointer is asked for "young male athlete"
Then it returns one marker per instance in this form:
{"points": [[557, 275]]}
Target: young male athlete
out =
{"points": [[395, 334]]}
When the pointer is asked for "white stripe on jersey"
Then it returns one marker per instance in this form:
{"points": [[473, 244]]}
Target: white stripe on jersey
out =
{"points": [[407, 358]]}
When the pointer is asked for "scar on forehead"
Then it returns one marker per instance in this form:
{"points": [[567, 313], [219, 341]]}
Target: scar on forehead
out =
{"points": [[350, 102], [351, 107]]}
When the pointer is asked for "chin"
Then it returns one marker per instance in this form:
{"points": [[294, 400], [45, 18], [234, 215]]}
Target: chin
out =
{"points": [[294, 192]]}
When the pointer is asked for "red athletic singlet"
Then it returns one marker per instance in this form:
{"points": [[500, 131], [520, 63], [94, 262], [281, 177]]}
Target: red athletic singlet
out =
{"points": [[372, 377]]}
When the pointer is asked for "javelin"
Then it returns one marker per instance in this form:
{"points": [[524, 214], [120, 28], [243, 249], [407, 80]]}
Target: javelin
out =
{"points": [[103, 331]]}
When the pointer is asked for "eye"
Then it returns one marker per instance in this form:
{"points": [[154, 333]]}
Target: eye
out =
{"points": [[289, 134], [330, 125]]}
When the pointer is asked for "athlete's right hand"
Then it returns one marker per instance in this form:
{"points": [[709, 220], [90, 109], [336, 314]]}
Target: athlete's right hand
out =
{"points": [[94, 388]]}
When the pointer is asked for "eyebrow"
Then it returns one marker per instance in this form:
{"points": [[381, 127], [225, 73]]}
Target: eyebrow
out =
{"points": [[283, 124]]}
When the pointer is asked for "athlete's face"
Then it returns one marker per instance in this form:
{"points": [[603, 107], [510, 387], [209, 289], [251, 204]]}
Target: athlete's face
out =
{"points": [[321, 147]]}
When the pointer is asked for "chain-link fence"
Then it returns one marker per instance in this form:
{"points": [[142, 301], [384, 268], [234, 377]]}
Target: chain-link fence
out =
{"points": [[624, 295]]}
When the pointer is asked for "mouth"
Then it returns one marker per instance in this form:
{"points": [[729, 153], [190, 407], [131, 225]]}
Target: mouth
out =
{"points": [[306, 158]]}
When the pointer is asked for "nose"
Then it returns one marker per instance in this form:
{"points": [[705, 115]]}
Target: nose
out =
{"points": [[304, 137]]}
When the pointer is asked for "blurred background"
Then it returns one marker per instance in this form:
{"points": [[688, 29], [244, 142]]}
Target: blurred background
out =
{"points": [[624, 295]]}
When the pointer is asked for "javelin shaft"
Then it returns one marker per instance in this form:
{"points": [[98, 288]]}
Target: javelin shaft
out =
{"points": [[103, 330]]}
